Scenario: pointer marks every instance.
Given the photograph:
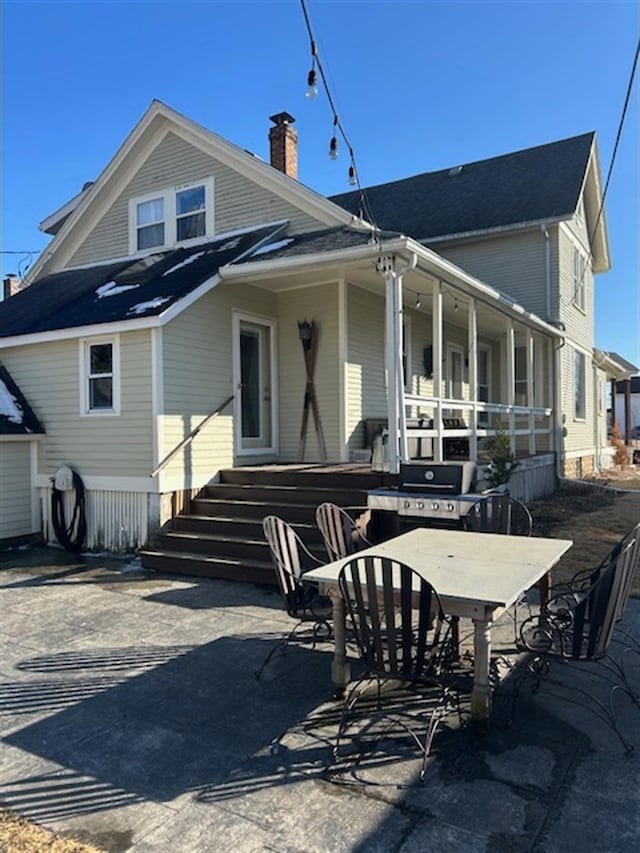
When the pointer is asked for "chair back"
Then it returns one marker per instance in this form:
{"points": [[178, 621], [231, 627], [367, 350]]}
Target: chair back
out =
{"points": [[499, 514], [629, 551], [342, 536], [397, 619], [290, 560]]}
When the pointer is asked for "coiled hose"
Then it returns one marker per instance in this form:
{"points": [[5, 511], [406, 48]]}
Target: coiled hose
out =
{"points": [[71, 537]]}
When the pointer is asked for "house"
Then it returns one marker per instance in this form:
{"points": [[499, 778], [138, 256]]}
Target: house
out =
{"points": [[20, 434], [625, 406], [158, 337]]}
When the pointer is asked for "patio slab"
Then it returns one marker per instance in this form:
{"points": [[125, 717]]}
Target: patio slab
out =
{"points": [[131, 717]]}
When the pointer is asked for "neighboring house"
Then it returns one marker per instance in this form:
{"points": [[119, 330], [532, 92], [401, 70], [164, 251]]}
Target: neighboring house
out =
{"points": [[20, 434], [626, 407], [176, 282]]}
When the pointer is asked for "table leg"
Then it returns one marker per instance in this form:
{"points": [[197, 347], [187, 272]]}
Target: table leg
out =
{"points": [[481, 693], [340, 669]]}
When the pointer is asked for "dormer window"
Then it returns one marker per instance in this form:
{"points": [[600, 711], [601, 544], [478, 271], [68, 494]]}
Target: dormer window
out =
{"points": [[172, 217]]}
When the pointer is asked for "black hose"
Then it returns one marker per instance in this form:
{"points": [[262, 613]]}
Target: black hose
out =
{"points": [[71, 537]]}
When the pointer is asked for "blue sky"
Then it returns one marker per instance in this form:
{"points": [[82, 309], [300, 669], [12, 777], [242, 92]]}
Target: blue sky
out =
{"points": [[419, 86]]}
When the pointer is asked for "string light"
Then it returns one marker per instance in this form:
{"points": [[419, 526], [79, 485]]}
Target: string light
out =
{"points": [[333, 145], [353, 181], [312, 83]]}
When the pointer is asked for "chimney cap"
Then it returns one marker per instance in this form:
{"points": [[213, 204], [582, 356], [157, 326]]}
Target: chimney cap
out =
{"points": [[282, 118]]}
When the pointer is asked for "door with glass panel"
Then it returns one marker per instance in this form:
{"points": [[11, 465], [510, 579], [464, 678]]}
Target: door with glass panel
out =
{"points": [[254, 383]]}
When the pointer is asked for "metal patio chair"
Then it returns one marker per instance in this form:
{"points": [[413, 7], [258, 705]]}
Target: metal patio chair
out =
{"points": [[577, 626], [499, 513], [291, 559], [341, 534], [403, 639]]}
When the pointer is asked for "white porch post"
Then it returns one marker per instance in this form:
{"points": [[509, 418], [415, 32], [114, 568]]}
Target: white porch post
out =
{"points": [[531, 367], [437, 370], [390, 363], [511, 383], [472, 350]]}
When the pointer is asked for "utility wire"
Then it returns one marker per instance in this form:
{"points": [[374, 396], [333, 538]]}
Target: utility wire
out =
{"points": [[338, 127], [623, 115]]}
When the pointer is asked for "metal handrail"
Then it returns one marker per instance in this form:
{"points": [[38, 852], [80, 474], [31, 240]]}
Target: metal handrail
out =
{"points": [[189, 438]]}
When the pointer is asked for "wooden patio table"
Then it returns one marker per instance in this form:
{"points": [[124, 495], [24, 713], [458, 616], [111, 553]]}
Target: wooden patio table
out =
{"points": [[476, 575]]}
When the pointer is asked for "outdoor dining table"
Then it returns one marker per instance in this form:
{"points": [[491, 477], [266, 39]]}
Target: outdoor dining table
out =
{"points": [[476, 575]]}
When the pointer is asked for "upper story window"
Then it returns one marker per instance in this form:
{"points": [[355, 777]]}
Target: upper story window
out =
{"points": [[171, 217], [579, 278], [100, 368]]}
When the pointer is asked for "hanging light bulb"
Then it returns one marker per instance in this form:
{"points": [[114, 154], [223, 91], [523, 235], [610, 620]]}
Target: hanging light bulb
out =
{"points": [[418, 301], [455, 303], [312, 84], [333, 148], [352, 176]]}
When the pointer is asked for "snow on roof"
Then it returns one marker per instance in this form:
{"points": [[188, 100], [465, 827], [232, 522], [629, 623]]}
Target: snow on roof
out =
{"points": [[184, 263], [9, 406], [141, 307], [271, 247], [112, 289]]}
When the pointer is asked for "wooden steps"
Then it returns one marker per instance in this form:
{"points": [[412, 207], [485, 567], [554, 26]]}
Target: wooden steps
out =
{"points": [[221, 536]]}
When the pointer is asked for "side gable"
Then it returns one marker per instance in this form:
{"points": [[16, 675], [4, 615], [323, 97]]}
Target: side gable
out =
{"points": [[258, 181]]}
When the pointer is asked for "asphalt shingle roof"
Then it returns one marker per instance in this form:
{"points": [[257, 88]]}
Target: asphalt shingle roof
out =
{"points": [[121, 290], [16, 415], [524, 186], [314, 242]]}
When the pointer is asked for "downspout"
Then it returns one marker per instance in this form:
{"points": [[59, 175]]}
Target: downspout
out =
{"points": [[547, 269], [557, 408]]}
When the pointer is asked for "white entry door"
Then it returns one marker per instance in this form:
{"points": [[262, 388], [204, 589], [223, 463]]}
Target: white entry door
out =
{"points": [[254, 383]]}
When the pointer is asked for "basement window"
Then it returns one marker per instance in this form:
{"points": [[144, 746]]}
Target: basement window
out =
{"points": [[100, 372], [172, 217]]}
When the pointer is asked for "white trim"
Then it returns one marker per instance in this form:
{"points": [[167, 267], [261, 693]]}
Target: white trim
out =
{"points": [[579, 454], [67, 208], [157, 395], [23, 436], [343, 357], [407, 343], [76, 332], [238, 317], [84, 345], [36, 522], [106, 483]]}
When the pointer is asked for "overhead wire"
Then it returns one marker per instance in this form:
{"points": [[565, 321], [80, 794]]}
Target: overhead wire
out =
{"points": [[338, 127]]}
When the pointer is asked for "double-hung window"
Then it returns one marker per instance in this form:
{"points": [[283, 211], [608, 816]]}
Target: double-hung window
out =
{"points": [[579, 385], [171, 217], [100, 391], [579, 276]]}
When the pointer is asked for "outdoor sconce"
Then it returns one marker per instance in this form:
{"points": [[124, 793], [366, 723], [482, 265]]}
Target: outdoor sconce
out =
{"points": [[305, 333], [427, 361]]}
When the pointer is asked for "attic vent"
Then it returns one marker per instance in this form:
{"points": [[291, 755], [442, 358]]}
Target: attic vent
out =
{"points": [[455, 171]]}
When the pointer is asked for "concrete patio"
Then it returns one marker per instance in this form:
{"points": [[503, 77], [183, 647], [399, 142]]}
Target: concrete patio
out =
{"points": [[131, 718]]}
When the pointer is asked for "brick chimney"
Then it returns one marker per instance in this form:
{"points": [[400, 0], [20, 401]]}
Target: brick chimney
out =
{"points": [[11, 284], [283, 140]]}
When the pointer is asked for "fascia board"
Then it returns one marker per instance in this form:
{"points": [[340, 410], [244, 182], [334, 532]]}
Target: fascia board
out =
{"points": [[80, 332], [497, 230], [61, 212], [26, 436], [600, 239]]}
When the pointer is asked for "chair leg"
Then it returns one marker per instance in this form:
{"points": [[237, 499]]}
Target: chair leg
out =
{"points": [[281, 646]]}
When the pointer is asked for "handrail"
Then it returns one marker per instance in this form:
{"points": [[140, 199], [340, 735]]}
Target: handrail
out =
{"points": [[189, 438]]}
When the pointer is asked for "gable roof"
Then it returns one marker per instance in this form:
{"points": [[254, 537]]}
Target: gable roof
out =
{"points": [[76, 218], [123, 290], [532, 185], [16, 415]]}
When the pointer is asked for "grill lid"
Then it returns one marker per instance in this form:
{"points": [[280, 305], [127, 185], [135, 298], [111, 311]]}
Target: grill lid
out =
{"points": [[438, 478]]}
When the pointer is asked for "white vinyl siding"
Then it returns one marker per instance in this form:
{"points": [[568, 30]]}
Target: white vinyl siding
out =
{"points": [[197, 378], [49, 377], [578, 323], [239, 202], [513, 263], [15, 494], [321, 305]]}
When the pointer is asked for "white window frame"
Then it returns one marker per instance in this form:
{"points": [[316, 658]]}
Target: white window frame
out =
{"points": [[169, 194], [580, 417], [85, 345], [579, 278]]}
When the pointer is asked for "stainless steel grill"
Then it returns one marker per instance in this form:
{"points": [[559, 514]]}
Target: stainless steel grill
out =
{"points": [[429, 490]]}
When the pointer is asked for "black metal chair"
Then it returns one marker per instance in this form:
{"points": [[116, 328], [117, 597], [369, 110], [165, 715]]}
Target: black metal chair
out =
{"points": [[499, 513], [291, 559], [341, 534], [403, 638], [577, 625]]}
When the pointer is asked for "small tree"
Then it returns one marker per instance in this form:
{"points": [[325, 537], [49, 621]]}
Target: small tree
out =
{"points": [[502, 462], [621, 454]]}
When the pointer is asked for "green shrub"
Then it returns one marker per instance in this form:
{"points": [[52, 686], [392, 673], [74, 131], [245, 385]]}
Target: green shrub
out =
{"points": [[502, 463]]}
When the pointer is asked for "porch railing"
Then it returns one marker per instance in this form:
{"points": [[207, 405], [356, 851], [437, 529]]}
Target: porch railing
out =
{"points": [[189, 438], [474, 431]]}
